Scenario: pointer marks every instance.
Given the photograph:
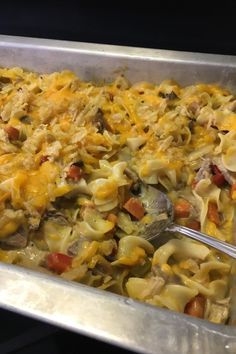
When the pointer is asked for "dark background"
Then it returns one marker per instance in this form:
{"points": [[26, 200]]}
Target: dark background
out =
{"points": [[192, 26], [202, 26]]}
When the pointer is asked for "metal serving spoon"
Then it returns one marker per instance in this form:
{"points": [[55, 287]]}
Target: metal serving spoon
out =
{"points": [[161, 211]]}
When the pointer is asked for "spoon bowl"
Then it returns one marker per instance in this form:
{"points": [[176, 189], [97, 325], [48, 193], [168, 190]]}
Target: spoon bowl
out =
{"points": [[160, 209]]}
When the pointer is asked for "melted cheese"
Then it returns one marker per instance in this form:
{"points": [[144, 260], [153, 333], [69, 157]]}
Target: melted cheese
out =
{"points": [[35, 187]]}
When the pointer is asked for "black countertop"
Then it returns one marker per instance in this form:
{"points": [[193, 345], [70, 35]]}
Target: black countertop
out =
{"points": [[189, 27], [22, 335]]}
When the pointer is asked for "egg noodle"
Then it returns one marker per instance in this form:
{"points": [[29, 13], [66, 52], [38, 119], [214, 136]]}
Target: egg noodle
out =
{"points": [[70, 154]]}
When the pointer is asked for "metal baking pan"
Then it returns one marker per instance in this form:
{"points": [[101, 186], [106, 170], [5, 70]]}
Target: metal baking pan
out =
{"points": [[97, 313]]}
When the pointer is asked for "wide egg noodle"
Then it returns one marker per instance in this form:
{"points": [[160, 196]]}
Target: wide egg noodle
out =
{"points": [[179, 249]]}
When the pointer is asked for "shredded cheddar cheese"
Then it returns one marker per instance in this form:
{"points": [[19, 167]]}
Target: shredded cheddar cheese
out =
{"points": [[72, 154]]}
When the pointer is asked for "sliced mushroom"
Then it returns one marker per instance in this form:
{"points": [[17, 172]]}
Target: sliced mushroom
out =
{"points": [[56, 216], [79, 163], [136, 186], [16, 241], [4, 81], [26, 119], [100, 122], [169, 96], [194, 108], [73, 249]]}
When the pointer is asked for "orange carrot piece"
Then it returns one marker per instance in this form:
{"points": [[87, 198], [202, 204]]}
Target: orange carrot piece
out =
{"points": [[196, 306], [13, 133], [135, 208], [58, 262], [182, 208], [75, 173], [194, 224], [213, 214]]}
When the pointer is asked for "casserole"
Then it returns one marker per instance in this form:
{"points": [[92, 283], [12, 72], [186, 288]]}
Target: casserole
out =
{"points": [[129, 62]]}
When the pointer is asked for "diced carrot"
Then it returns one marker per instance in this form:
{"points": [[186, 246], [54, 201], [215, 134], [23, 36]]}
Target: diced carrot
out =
{"points": [[233, 191], [75, 173], [113, 218], [182, 208], [58, 262], [215, 170], [217, 178], [213, 214], [135, 208], [196, 306], [13, 133], [194, 224]]}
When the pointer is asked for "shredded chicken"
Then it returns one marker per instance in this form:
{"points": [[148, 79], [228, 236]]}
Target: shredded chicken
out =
{"points": [[204, 171]]}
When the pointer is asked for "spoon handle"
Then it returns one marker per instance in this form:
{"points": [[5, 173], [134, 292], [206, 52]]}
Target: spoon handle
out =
{"points": [[199, 236]]}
